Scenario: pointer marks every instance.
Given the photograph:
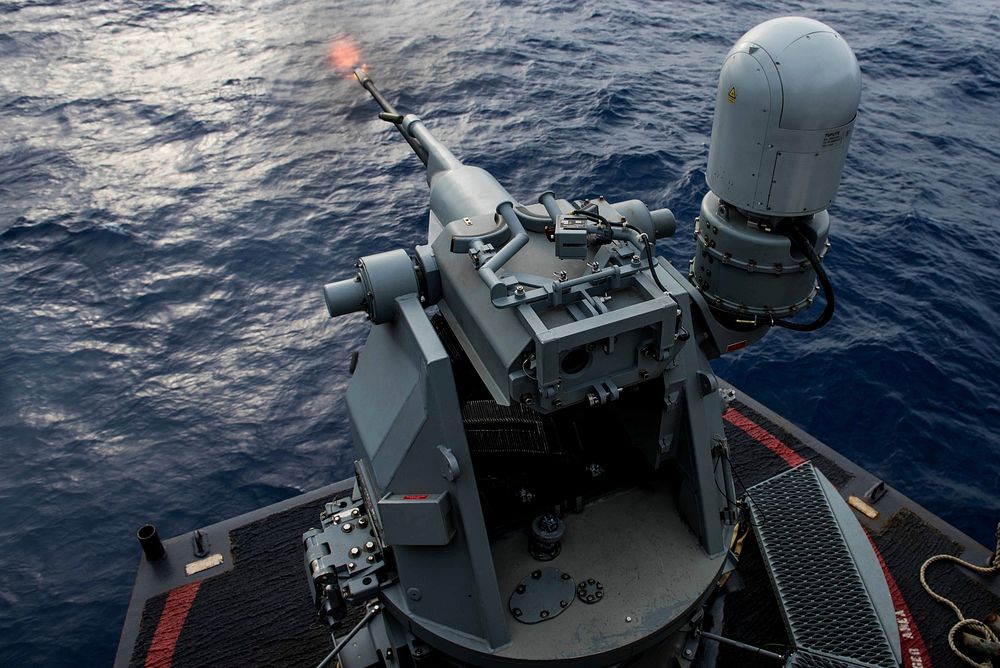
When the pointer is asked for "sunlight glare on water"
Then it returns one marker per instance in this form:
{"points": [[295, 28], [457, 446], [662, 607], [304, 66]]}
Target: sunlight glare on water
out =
{"points": [[178, 179]]}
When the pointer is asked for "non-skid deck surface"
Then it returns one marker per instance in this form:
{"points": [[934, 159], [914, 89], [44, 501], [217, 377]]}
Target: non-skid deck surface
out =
{"points": [[904, 544], [260, 613]]}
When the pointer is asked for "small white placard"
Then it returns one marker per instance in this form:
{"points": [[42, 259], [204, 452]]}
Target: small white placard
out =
{"points": [[211, 561]]}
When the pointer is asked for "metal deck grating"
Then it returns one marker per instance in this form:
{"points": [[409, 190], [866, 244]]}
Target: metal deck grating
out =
{"points": [[822, 596]]}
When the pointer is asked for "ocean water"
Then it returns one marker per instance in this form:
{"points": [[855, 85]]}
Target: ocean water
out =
{"points": [[178, 179]]}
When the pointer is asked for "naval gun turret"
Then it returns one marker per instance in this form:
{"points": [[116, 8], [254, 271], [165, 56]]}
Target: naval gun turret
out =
{"points": [[543, 473]]}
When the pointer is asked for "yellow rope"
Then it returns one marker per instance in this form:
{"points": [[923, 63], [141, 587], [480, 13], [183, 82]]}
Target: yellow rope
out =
{"points": [[963, 621]]}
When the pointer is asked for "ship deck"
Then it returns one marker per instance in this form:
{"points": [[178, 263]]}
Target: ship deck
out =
{"points": [[255, 609]]}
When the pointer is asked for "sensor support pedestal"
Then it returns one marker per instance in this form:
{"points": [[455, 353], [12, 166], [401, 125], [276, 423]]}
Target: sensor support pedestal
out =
{"points": [[746, 269]]}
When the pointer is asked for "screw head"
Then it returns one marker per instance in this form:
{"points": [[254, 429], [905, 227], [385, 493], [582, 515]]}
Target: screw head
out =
{"points": [[347, 528]]}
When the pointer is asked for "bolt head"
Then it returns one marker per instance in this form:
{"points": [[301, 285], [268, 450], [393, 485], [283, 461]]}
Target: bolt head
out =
{"points": [[548, 522]]}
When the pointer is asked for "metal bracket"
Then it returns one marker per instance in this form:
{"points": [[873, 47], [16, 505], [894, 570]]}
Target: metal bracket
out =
{"points": [[344, 559], [876, 492]]}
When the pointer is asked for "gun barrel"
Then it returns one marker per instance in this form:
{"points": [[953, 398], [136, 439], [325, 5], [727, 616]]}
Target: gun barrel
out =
{"points": [[457, 190], [389, 112]]}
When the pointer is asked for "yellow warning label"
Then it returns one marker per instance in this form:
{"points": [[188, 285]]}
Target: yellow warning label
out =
{"points": [[732, 95]]}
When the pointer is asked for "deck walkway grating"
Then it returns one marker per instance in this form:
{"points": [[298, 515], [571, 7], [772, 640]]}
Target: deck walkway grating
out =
{"points": [[821, 593]]}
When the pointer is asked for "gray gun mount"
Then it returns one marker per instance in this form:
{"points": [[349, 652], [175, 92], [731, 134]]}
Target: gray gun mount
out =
{"points": [[560, 379]]}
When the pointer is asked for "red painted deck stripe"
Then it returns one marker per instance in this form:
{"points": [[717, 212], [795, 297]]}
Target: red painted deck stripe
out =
{"points": [[766, 438], [915, 653], [168, 629]]}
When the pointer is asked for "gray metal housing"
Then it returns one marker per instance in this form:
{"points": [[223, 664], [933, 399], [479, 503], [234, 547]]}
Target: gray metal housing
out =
{"points": [[547, 333], [562, 307], [746, 269], [784, 112]]}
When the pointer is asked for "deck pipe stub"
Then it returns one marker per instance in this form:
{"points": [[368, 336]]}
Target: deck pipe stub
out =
{"points": [[149, 541]]}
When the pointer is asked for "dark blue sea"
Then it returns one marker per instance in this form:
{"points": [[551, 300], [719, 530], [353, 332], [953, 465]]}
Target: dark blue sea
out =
{"points": [[178, 179]]}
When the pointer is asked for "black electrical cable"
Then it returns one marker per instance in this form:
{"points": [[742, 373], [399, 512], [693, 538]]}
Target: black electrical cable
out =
{"points": [[799, 241], [746, 490], [649, 254], [725, 493], [597, 218]]}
